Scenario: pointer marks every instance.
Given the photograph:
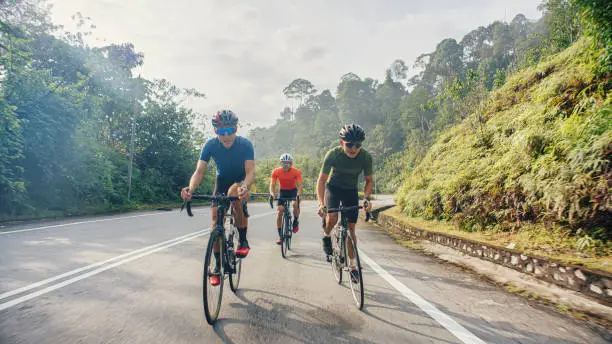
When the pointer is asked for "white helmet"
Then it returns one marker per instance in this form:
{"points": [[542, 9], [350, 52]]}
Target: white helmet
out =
{"points": [[286, 158]]}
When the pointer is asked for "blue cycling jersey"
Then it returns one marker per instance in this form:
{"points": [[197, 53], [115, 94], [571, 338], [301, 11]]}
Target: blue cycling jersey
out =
{"points": [[229, 161]]}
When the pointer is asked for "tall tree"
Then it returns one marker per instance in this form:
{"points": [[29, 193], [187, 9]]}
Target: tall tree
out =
{"points": [[356, 101], [286, 114], [299, 89], [562, 21]]}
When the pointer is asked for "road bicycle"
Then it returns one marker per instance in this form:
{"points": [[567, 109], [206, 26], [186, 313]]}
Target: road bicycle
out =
{"points": [[220, 260], [339, 258], [286, 224]]}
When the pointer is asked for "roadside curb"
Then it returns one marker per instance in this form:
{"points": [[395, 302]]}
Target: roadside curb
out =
{"points": [[575, 287]]}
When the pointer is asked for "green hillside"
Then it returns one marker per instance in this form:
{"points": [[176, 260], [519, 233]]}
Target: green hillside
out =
{"points": [[536, 151]]}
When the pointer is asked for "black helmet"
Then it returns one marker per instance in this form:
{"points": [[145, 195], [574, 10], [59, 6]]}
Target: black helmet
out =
{"points": [[352, 133], [224, 118]]}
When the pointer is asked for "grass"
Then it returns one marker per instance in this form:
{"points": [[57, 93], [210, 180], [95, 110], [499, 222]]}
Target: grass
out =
{"points": [[532, 239]]}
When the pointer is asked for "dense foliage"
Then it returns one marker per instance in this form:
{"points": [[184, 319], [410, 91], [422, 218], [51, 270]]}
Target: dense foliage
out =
{"points": [[67, 112]]}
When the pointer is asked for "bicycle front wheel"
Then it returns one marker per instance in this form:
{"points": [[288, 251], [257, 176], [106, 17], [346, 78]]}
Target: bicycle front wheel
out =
{"points": [[337, 256], [284, 237], [356, 285], [212, 278], [234, 262], [288, 233]]}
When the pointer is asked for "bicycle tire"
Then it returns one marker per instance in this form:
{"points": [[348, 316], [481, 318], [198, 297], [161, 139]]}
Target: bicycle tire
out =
{"points": [[289, 242], [336, 256], [234, 278], [288, 233], [283, 245], [358, 295], [211, 317]]}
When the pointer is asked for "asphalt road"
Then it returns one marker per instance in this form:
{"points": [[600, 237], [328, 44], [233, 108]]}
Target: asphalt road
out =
{"points": [[137, 279]]}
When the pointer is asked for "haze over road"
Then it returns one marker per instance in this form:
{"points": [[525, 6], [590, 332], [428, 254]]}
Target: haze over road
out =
{"points": [[136, 278]]}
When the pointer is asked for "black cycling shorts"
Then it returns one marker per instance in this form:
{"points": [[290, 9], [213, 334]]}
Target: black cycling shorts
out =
{"points": [[292, 193], [334, 196], [222, 187]]}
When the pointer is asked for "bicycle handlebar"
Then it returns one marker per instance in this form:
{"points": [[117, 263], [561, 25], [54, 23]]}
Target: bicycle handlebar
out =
{"points": [[272, 199], [215, 198], [260, 195], [344, 209], [221, 198]]}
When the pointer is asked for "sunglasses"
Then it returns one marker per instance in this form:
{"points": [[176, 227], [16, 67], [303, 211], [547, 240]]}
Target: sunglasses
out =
{"points": [[225, 131], [285, 164], [352, 144]]}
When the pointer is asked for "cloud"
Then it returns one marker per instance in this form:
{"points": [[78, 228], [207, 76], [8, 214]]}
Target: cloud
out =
{"points": [[243, 54], [313, 53]]}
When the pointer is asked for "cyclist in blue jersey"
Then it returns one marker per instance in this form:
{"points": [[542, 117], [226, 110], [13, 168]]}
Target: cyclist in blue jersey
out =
{"points": [[235, 160]]}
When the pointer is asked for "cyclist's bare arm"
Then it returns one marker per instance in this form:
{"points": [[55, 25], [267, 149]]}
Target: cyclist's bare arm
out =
{"points": [[299, 187], [367, 191], [249, 166], [195, 180], [369, 186], [272, 186], [321, 188]]}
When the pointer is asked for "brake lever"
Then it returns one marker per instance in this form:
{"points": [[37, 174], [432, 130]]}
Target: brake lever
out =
{"points": [[188, 204]]}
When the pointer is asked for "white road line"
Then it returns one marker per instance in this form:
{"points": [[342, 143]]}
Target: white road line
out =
{"points": [[88, 267], [78, 223], [130, 256], [53, 287], [451, 325], [83, 222]]}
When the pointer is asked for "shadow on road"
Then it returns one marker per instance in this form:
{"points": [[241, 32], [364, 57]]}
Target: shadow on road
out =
{"points": [[279, 318]]}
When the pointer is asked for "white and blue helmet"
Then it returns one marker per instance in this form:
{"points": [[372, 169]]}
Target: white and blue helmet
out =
{"points": [[286, 158]]}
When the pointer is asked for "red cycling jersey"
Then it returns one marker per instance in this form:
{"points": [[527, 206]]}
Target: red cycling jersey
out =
{"points": [[288, 180]]}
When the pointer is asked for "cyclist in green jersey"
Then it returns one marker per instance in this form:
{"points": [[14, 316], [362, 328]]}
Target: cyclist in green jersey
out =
{"points": [[338, 182]]}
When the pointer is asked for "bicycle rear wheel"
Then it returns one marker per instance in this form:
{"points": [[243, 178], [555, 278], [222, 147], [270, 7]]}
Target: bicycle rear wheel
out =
{"points": [[356, 286], [233, 261], [337, 256], [288, 233], [212, 294]]}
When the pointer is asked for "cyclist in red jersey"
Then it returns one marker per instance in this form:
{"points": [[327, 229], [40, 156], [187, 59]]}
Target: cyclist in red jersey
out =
{"points": [[290, 179]]}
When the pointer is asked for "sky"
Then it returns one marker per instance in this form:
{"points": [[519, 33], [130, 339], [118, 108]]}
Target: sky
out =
{"points": [[241, 54]]}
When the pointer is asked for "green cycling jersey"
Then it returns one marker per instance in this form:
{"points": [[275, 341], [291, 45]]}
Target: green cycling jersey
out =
{"points": [[344, 170]]}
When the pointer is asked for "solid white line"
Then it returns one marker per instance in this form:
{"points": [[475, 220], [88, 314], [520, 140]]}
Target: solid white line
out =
{"points": [[144, 252], [51, 288], [90, 221], [78, 223], [88, 267], [451, 325]]}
